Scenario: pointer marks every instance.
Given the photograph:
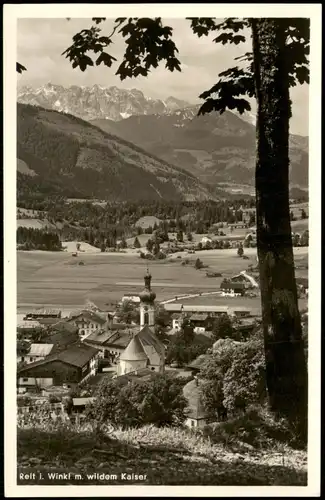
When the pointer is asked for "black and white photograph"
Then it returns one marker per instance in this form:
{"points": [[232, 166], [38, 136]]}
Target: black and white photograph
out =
{"points": [[162, 249]]}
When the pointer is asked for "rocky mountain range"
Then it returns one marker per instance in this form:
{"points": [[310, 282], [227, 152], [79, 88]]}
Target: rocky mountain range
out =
{"points": [[217, 149], [60, 154], [97, 102]]}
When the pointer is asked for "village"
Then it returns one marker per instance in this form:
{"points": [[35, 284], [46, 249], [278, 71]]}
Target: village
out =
{"points": [[58, 356]]}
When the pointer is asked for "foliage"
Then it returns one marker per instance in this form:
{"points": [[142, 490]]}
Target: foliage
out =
{"points": [[37, 239], [223, 327], [234, 377], [240, 251], [184, 346], [198, 264], [158, 401], [128, 312]]}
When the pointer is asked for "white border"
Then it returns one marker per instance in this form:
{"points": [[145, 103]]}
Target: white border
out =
{"points": [[11, 13]]}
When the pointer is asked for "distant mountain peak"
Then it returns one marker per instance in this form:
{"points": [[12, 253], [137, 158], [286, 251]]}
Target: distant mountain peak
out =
{"points": [[96, 101]]}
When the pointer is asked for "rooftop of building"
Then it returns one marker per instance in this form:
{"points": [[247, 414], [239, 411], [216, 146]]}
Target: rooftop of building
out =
{"points": [[134, 351], [77, 355]]}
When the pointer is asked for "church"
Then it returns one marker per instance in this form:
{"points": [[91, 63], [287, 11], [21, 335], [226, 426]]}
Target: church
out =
{"points": [[144, 351]]}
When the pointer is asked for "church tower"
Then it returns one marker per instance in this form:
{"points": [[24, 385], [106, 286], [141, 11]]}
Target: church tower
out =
{"points": [[147, 303]]}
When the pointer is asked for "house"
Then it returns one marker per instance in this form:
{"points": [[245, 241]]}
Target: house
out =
{"points": [[205, 240], [200, 322], [88, 321], [240, 311], [38, 352], [135, 299], [196, 416], [43, 313], [70, 366], [177, 320], [233, 287], [248, 280]]}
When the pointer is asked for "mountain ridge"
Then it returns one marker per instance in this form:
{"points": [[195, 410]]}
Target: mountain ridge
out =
{"points": [[75, 158]]}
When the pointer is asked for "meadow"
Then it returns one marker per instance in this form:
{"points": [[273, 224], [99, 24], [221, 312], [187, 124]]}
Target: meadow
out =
{"points": [[57, 279]]}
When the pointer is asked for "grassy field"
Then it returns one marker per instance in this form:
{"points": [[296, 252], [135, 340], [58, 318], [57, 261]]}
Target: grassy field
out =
{"points": [[52, 278], [245, 452]]}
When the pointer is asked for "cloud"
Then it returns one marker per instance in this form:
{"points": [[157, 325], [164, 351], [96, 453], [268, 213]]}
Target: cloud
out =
{"points": [[40, 43]]}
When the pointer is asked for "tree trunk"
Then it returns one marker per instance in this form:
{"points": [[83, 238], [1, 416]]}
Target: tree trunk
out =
{"points": [[285, 361]]}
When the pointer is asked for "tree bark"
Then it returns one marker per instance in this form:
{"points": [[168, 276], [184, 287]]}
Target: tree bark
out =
{"points": [[286, 369]]}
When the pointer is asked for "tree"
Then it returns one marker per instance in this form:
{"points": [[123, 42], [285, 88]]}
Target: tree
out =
{"points": [[303, 214], [198, 264], [240, 251], [149, 245], [278, 61], [189, 236], [234, 377], [137, 243], [180, 236], [128, 312], [304, 239], [159, 401], [222, 327]]}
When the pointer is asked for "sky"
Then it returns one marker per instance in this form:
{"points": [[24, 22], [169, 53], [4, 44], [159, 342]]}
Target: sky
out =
{"points": [[40, 43]]}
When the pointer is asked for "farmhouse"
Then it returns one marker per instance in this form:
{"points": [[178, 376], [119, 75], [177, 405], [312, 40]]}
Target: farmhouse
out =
{"points": [[71, 366], [234, 287], [248, 280], [88, 321], [200, 322], [43, 313], [38, 352]]}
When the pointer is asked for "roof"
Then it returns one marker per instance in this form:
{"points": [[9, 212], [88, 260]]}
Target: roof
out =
{"points": [[147, 337], [82, 401], [134, 351], [29, 324], [109, 338], [40, 349], [239, 309], [61, 338], [195, 308], [77, 356], [198, 317], [48, 321], [192, 391], [92, 316], [43, 311]]}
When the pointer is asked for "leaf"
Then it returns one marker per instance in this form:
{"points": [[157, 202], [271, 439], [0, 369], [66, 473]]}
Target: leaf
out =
{"points": [[98, 20], [105, 58], [20, 68]]}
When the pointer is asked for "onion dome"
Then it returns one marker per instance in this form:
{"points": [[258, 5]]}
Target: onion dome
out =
{"points": [[147, 295]]}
